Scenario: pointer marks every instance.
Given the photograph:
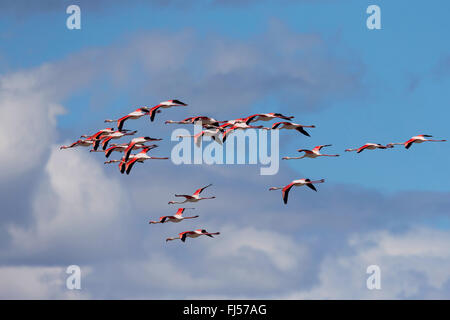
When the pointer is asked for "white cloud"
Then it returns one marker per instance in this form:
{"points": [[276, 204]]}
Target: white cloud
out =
{"points": [[28, 121], [75, 206], [283, 252], [414, 264]]}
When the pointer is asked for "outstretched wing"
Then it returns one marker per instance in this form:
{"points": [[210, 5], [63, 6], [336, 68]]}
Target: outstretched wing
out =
{"points": [[109, 151], [285, 192], [277, 124], [187, 196], [153, 112], [121, 121], [205, 233], [127, 152], [179, 211], [360, 149], [130, 165], [251, 118], [183, 235], [310, 185], [303, 131], [317, 148], [105, 142], [163, 219], [201, 189], [409, 143]]}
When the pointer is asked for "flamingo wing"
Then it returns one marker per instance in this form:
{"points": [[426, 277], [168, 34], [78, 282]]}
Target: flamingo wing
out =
{"points": [[109, 151], [153, 112], [310, 185], [198, 191], [187, 196], [317, 148], [409, 143], [183, 235], [121, 121], [122, 165], [303, 131], [285, 192], [127, 152], [130, 164], [163, 219], [206, 233], [277, 124], [251, 118], [105, 142], [360, 149]]}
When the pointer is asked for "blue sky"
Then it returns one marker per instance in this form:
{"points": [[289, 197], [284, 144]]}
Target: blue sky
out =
{"points": [[315, 60], [401, 96]]}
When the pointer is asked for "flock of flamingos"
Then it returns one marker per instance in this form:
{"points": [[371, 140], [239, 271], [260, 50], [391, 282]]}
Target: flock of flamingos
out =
{"points": [[213, 128]]}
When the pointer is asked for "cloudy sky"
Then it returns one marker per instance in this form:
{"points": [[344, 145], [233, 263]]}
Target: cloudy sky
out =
{"points": [[315, 60]]}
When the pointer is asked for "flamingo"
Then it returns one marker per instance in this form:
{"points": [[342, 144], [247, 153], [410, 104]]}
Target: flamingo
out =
{"points": [[213, 133], [81, 143], [314, 153], [139, 157], [177, 217], [291, 125], [136, 114], [164, 105], [228, 123], [266, 117], [417, 139], [115, 135], [239, 126], [193, 234], [122, 147], [297, 183], [121, 161], [184, 121], [99, 134], [202, 119], [370, 146], [192, 198], [135, 141]]}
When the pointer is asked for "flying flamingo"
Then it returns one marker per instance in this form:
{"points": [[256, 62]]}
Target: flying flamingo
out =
{"points": [[139, 157], [370, 146], [228, 123], [417, 139], [134, 142], [202, 119], [266, 117], [80, 143], [164, 105], [99, 134], [136, 114], [184, 121], [177, 217], [193, 234], [297, 183], [115, 135], [292, 126], [314, 153], [122, 147], [239, 126], [119, 160], [192, 198]]}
